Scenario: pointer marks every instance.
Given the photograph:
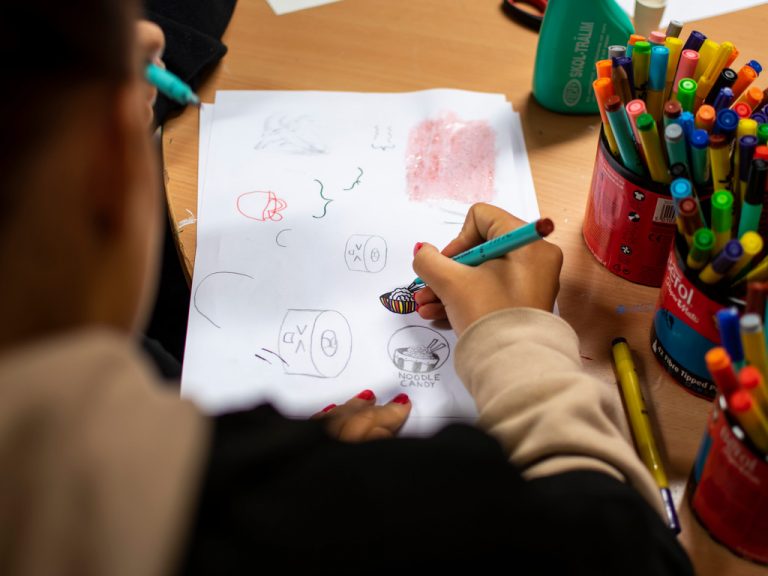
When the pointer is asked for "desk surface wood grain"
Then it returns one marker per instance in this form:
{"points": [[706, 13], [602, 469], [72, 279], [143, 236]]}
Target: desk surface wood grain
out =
{"points": [[401, 45]]}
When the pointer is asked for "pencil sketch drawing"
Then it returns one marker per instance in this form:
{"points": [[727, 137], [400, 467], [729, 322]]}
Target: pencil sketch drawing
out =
{"points": [[273, 354], [382, 138], [212, 290], [277, 237], [291, 134], [315, 343], [365, 253], [327, 201], [261, 206], [418, 349]]}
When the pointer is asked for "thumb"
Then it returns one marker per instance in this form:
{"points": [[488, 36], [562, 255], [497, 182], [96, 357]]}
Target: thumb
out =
{"points": [[437, 270]]}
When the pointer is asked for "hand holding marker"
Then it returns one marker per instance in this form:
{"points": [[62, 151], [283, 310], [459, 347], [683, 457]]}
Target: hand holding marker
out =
{"points": [[171, 85], [494, 248]]}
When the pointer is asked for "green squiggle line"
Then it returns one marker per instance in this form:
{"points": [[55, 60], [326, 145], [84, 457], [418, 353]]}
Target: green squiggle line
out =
{"points": [[327, 201]]}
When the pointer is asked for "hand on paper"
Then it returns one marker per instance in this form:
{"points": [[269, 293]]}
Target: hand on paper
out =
{"points": [[360, 419], [528, 277], [151, 41]]}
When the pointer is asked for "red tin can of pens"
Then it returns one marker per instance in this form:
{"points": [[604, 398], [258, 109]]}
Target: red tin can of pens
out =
{"points": [[629, 223], [684, 327], [728, 487]]}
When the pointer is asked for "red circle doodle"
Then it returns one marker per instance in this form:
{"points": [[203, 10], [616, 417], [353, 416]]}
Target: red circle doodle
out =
{"points": [[261, 206]]}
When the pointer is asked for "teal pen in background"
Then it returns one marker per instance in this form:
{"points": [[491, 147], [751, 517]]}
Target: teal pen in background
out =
{"points": [[171, 85], [499, 246]]}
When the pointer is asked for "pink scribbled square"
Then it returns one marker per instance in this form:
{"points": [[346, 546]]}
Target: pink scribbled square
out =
{"points": [[451, 159]]}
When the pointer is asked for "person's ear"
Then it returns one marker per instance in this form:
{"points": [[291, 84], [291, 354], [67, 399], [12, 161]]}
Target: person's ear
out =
{"points": [[115, 153]]}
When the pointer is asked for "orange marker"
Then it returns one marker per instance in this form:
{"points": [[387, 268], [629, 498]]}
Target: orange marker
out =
{"points": [[603, 89], [745, 77], [705, 117], [603, 68], [751, 96], [750, 418]]}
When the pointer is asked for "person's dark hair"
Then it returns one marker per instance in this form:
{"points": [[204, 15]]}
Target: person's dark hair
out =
{"points": [[52, 47]]}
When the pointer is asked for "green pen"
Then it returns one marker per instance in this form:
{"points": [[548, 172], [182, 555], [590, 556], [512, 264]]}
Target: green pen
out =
{"points": [[686, 93], [701, 249], [722, 218], [171, 85], [762, 134]]}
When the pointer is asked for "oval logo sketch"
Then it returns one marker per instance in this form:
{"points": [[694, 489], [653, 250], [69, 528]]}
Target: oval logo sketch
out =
{"points": [[572, 92]]}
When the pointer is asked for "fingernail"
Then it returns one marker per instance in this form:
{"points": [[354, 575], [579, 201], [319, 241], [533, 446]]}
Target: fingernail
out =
{"points": [[329, 408], [366, 395], [417, 306], [417, 247], [400, 399]]}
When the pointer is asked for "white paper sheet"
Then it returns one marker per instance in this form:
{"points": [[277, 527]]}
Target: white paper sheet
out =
{"points": [[690, 10], [306, 218], [285, 6]]}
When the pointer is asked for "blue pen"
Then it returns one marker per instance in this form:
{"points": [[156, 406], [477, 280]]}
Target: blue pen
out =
{"points": [[759, 117], [688, 122], [726, 123], [499, 246], [171, 85], [730, 337], [723, 99], [657, 81], [700, 157], [695, 40]]}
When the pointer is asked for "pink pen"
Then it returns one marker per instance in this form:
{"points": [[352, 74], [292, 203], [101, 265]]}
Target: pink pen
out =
{"points": [[634, 109], [657, 37], [686, 68]]}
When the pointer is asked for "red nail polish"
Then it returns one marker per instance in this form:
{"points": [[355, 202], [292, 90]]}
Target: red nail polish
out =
{"points": [[417, 247], [401, 399], [329, 408], [417, 306], [366, 395]]}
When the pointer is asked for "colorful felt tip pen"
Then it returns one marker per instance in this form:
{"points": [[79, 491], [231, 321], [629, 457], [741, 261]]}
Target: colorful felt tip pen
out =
{"points": [[622, 132], [753, 342], [171, 85], [641, 425], [722, 218], [730, 336], [722, 262], [499, 246], [720, 367], [701, 248], [750, 418]]}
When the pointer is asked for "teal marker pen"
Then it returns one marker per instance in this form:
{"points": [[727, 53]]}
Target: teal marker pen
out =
{"points": [[676, 148], [700, 157], [499, 246], [753, 200], [622, 131], [170, 85]]}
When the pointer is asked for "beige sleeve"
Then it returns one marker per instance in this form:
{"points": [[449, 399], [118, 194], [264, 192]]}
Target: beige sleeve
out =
{"points": [[523, 369]]}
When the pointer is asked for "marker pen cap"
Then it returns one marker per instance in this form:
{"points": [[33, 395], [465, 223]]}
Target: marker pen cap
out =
{"points": [[704, 239], [762, 133], [686, 92], [695, 40], [726, 122], [759, 117], [723, 98], [722, 205], [657, 37], [674, 28], [727, 257], [680, 188], [751, 96], [747, 145], [699, 139], [658, 72], [742, 109], [617, 51], [728, 323], [705, 115], [673, 133], [755, 65]]}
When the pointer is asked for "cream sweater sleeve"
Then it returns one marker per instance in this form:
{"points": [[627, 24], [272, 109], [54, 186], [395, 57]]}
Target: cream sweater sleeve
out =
{"points": [[522, 367]]}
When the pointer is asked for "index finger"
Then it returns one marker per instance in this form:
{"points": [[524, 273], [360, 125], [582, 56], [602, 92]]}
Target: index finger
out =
{"points": [[484, 222], [151, 40]]}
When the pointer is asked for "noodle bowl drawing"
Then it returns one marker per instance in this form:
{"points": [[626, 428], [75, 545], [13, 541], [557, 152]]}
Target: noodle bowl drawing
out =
{"points": [[399, 301]]}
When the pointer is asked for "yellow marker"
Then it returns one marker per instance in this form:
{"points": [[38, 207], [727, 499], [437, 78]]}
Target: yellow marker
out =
{"points": [[707, 53], [758, 273], [750, 418], [712, 72], [752, 243], [745, 127], [641, 424], [649, 140], [719, 161], [753, 342], [675, 47]]}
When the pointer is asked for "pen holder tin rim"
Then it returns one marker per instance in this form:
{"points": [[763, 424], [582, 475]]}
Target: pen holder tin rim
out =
{"points": [[699, 501], [629, 220]]}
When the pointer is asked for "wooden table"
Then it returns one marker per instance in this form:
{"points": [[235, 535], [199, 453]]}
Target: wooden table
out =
{"points": [[402, 45]]}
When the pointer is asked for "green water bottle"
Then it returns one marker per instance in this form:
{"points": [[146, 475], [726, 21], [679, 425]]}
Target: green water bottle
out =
{"points": [[574, 35]]}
